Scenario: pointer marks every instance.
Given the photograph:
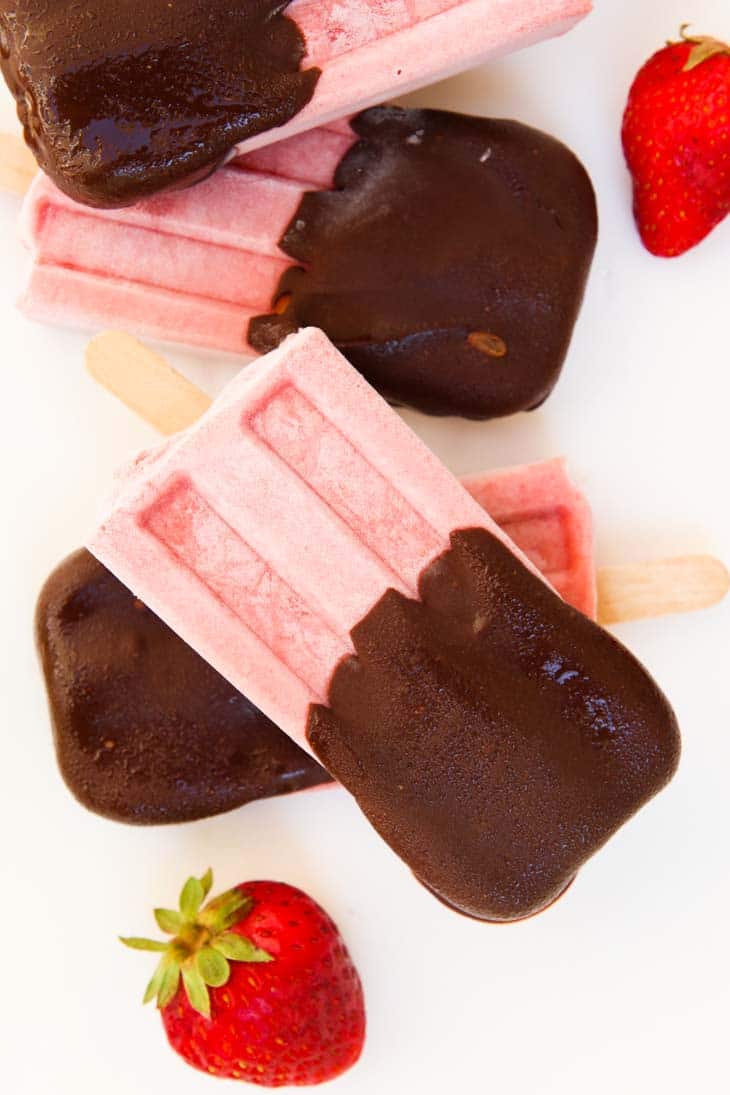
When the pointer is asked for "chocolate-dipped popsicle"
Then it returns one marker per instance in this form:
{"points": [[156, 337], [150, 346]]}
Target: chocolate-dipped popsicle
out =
{"points": [[123, 98], [488, 715], [320, 557], [145, 730], [448, 264], [120, 100]]}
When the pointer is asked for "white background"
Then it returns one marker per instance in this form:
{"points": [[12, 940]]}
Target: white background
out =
{"points": [[622, 986]]}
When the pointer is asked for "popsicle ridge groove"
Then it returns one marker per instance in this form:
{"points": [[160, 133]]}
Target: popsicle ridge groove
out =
{"points": [[545, 535], [66, 294], [313, 447], [147, 257], [214, 553]]}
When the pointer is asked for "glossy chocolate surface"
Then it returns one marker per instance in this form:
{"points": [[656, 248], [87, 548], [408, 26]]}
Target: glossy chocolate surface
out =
{"points": [[493, 735], [448, 264], [145, 730], [122, 99]]}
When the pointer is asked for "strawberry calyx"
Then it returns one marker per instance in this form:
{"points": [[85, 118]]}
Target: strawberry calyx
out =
{"points": [[704, 47], [203, 944]]}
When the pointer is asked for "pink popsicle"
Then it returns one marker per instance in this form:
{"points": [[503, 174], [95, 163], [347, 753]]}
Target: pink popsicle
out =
{"points": [[549, 519], [267, 246], [191, 266], [373, 50], [309, 546], [207, 531], [197, 265], [110, 127]]}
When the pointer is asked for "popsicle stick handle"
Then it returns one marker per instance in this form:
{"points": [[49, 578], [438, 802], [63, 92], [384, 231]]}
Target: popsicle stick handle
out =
{"points": [[682, 584], [145, 382], [149, 386], [17, 164]]}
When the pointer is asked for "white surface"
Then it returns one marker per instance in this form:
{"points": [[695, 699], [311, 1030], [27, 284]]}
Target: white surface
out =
{"points": [[623, 985]]}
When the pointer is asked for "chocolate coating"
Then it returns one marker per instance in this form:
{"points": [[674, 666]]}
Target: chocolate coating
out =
{"points": [[493, 735], [448, 264], [145, 730], [120, 100]]}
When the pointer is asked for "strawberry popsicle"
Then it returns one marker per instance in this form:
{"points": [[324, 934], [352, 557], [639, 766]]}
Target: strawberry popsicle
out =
{"points": [[121, 100], [470, 314], [147, 732], [316, 553]]}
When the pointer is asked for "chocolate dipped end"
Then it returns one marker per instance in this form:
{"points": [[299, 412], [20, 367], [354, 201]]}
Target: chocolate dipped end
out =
{"points": [[493, 735], [145, 730], [448, 264], [119, 101]]}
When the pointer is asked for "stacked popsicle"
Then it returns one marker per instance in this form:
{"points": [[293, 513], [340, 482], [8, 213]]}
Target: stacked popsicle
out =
{"points": [[192, 266]]}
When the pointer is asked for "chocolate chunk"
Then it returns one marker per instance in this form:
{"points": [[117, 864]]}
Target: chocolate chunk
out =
{"points": [[120, 100], [493, 735], [448, 264], [145, 730]]}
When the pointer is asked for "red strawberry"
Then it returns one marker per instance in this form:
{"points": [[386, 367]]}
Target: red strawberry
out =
{"points": [[676, 137], [257, 985]]}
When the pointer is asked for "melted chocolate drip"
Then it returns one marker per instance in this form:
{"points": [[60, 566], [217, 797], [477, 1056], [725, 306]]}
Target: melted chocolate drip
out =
{"points": [[145, 730], [493, 735], [449, 263], [121, 100]]}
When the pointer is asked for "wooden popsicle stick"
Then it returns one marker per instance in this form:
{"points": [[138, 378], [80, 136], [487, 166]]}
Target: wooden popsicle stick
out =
{"points": [[17, 164], [145, 382], [160, 395], [664, 586]]}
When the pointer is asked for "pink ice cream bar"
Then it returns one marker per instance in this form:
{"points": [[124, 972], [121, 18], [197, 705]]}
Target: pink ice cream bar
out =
{"points": [[471, 314], [373, 50], [545, 514], [121, 101], [310, 547], [334, 502], [191, 266]]}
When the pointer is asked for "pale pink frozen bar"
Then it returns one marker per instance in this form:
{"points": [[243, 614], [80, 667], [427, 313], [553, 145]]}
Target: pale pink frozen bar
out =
{"points": [[549, 519], [196, 266], [267, 531], [373, 50], [191, 266]]}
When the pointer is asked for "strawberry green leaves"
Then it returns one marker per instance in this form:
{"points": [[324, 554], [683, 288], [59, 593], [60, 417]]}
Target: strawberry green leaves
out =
{"points": [[169, 981], [196, 990], [164, 982], [239, 949], [194, 893], [138, 944], [224, 911], [704, 48], [202, 946], [213, 967], [168, 921]]}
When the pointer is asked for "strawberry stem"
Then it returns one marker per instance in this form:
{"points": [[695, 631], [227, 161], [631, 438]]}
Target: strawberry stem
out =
{"points": [[202, 947]]}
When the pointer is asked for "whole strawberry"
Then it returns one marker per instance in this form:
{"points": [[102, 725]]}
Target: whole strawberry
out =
{"points": [[676, 138], [256, 985]]}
